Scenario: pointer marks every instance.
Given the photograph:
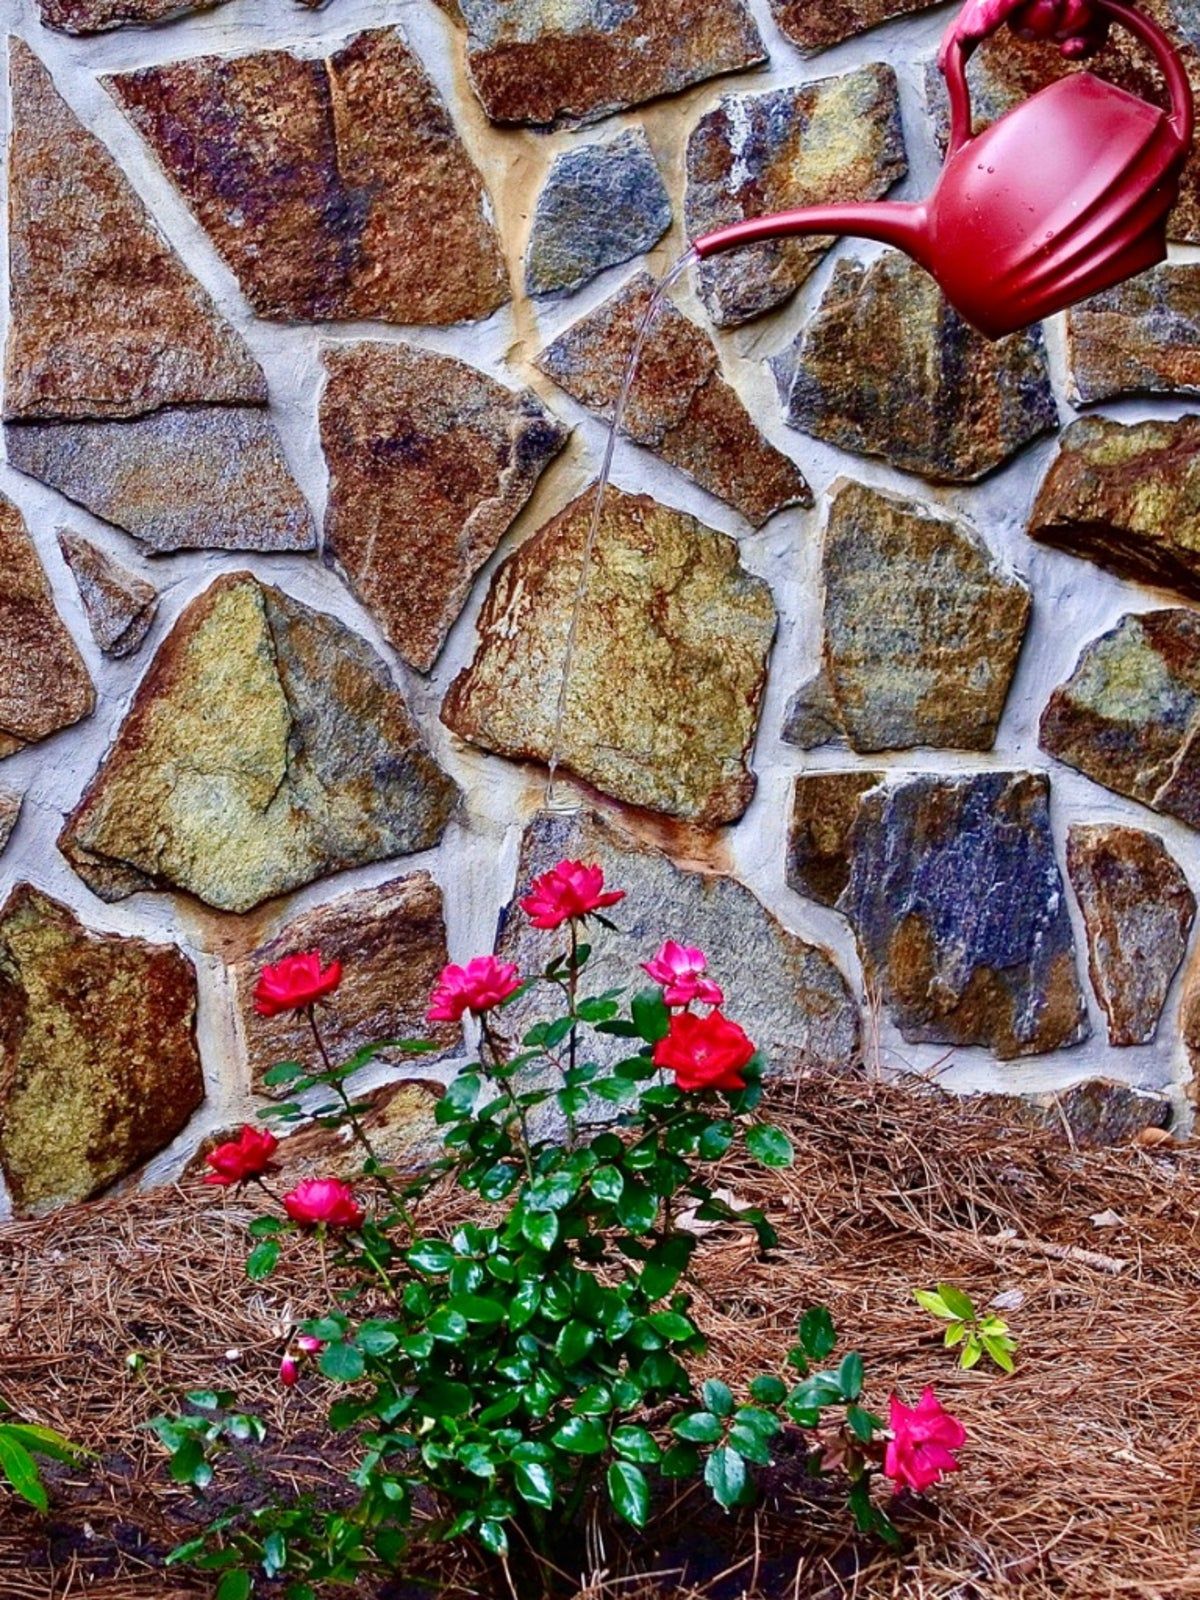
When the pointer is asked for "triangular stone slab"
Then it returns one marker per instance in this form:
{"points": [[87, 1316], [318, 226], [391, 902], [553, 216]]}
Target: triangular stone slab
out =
{"points": [[266, 746], [105, 319], [119, 605]]}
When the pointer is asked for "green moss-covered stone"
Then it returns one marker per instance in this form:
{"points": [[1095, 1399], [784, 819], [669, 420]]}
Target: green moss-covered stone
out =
{"points": [[99, 1068]]}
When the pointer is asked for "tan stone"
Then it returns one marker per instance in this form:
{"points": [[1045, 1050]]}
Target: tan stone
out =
{"points": [[669, 667], [1137, 912], [814, 25], [544, 62], [10, 811], [1143, 337], [824, 807], [266, 746], [1086, 1116], [105, 319], [430, 461], [391, 943], [333, 189], [680, 406], [98, 1062], [44, 685], [1128, 498], [119, 605], [98, 16]]}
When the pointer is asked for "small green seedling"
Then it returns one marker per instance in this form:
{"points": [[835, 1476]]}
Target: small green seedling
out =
{"points": [[978, 1335], [20, 1445]]}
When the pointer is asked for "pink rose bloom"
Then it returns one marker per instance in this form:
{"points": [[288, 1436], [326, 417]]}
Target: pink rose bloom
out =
{"points": [[295, 983], [708, 1052], [288, 1371], [328, 1200], [483, 983], [680, 969], [309, 1344], [247, 1156], [925, 1437], [569, 891]]}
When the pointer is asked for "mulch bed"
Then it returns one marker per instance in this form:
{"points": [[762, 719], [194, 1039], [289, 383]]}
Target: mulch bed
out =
{"points": [[1082, 1471]]}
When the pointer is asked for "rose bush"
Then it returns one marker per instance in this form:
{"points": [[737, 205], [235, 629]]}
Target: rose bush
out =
{"points": [[540, 1358]]}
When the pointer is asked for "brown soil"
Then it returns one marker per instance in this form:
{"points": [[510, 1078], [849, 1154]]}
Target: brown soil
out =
{"points": [[1081, 1475]]}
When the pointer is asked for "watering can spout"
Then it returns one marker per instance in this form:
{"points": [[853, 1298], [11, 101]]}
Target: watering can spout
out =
{"points": [[898, 223], [1065, 195]]}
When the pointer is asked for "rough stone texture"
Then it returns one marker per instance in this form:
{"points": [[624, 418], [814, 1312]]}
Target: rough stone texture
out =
{"points": [[119, 606], [837, 139], [44, 685], [1007, 70], [600, 205], [1127, 498], [334, 189], [98, 1062], [923, 625], [960, 913], [1087, 1116], [669, 667], [207, 479], [813, 718], [266, 746], [430, 461], [544, 62], [814, 25], [98, 16], [1143, 337], [886, 368], [391, 941], [1137, 910], [680, 407], [10, 810], [787, 994], [105, 318], [1129, 715], [824, 807]]}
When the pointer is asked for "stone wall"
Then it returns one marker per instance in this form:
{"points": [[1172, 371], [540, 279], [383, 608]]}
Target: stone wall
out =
{"points": [[888, 686]]}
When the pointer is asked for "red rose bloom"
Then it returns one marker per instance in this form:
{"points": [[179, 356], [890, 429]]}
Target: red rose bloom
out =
{"points": [[241, 1158], [569, 890], [483, 983], [328, 1200], [295, 982], [704, 1052], [925, 1436]]}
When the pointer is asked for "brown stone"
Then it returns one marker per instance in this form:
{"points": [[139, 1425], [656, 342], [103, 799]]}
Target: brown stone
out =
{"points": [[837, 139], [105, 319], [961, 915], [1143, 337], [824, 807], [266, 746], [98, 1062], [207, 478], [10, 810], [814, 25], [669, 666], [787, 994], [430, 461], [1085, 1116], [884, 367], [923, 625], [1138, 911], [680, 407], [119, 606], [1129, 715], [1007, 70], [1127, 498], [544, 62], [399, 1123], [44, 685], [391, 942], [333, 189], [98, 16]]}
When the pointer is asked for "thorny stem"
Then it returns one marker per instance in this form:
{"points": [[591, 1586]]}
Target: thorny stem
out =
{"points": [[356, 1126], [497, 1049]]}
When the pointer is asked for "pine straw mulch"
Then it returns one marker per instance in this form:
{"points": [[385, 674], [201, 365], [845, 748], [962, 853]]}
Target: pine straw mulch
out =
{"points": [[1082, 1473]]}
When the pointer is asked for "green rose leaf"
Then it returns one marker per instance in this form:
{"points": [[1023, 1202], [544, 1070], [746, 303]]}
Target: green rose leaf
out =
{"points": [[725, 1475], [580, 1436], [769, 1146], [629, 1492], [650, 1015]]}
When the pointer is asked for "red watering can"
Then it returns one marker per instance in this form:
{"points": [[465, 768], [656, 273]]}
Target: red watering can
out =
{"points": [[1065, 195]]}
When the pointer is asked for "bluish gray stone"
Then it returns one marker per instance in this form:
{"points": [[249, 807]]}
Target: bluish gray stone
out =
{"points": [[602, 204], [960, 912]]}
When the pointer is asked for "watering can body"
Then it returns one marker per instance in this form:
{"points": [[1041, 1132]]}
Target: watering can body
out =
{"points": [[1063, 196]]}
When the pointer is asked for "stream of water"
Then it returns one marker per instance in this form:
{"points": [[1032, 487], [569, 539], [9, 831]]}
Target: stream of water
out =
{"points": [[558, 796]]}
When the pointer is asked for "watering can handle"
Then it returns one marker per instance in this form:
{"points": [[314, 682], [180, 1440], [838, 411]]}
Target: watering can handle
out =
{"points": [[1179, 90]]}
